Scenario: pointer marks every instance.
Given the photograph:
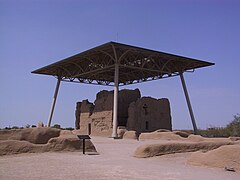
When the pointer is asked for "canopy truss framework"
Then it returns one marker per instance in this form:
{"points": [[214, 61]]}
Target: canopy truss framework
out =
{"points": [[136, 65], [116, 64]]}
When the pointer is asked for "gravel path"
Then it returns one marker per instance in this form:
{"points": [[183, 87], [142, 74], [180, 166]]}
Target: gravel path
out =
{"points": [[115, 161]]}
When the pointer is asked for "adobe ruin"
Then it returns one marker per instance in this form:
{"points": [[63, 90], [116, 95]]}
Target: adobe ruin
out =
{"points": [[135, 113]]}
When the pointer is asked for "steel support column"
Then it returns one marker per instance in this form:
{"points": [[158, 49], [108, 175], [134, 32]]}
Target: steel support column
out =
{"points": [[115, 101], [189, 104], [54, 102]]}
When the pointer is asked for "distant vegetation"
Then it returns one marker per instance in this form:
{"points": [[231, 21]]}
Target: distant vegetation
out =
{"points": [[34, 126], [59, 127], [232, 129]]}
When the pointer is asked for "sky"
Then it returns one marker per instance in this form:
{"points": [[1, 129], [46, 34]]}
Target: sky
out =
{"points": [[35, 33]]}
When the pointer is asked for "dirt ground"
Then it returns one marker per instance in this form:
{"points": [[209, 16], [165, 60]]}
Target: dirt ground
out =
{"points": [[114, 161]]}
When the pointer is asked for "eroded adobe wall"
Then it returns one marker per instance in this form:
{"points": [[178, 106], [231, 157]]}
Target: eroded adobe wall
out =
{"points": [[138, 114], [101, 119], [99, 115], [84, 111], [148, 114], [125, 98]]}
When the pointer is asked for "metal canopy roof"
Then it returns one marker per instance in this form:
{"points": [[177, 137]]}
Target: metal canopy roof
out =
{"points": [[96, 66]]}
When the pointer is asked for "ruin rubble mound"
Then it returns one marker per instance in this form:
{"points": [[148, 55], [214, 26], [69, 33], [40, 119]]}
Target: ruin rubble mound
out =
{"points": [[32, 135], [156, 135], [38, 140], [171, 147], [225, 156]]}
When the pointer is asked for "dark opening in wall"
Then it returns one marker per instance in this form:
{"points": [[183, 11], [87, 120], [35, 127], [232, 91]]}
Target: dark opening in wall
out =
{"points": [[89, 128], [147, 125], [145, 109]]}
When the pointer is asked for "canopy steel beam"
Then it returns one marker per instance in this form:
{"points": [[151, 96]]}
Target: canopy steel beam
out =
{"points": [[144, 69], [115, 98], [189, 104], [115, 102], [93, 71], [54, 102]]}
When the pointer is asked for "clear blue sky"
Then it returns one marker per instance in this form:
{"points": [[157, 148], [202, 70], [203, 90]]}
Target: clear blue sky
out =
{"points": [[35, 33]]}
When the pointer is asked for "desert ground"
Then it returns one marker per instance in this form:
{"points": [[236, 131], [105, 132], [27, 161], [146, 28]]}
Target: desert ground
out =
{"points": [[114, 160]]}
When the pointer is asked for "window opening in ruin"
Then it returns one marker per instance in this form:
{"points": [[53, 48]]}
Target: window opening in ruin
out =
{"points": [[147, 125], [89, 128], [145, 109]]}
